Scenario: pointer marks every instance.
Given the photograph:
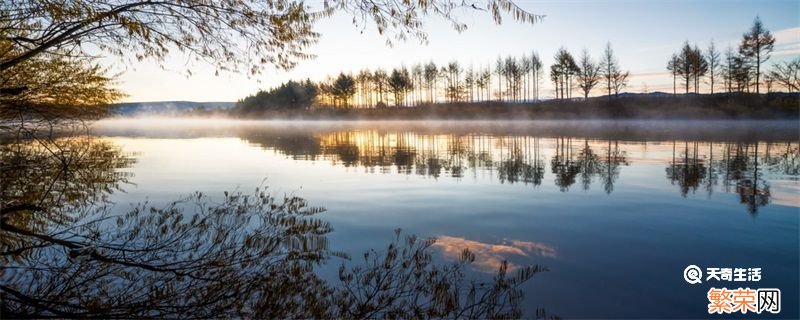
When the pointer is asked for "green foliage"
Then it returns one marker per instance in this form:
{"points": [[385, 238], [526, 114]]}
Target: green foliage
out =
{"points": [[50, 86], [343, 88], [290, 95], [400, 83], [339, 91]]}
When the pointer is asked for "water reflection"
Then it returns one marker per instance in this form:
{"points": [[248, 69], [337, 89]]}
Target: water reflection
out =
{"points": [[743, 168], [65, 253], [688, 170], [50, 180], [490, 257], [623, 208], [739, 167], [69, 171]]}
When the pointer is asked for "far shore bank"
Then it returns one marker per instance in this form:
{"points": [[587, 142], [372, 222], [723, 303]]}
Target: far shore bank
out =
{"points": [[777, 106]]}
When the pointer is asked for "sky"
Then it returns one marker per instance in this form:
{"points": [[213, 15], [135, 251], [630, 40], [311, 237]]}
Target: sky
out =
{"points": [[643, 33]]}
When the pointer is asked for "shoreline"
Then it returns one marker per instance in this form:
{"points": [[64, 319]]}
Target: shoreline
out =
{"points": [[776, 106]]}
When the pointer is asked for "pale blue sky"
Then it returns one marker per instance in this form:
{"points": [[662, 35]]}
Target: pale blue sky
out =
{"points": [[643, 33]]}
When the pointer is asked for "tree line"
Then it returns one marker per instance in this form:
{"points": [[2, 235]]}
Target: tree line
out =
{"points": [[509, 79], [519, 79], [740, 70]]}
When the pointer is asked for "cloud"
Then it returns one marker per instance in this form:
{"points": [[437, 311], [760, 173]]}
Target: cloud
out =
{"points": [[787, 36], [786, 52], [489, 257], [787, 42], [784, 192]]}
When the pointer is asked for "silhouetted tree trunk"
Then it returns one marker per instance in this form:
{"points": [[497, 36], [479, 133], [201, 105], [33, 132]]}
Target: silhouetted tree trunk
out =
{"points": [[713, 64]]}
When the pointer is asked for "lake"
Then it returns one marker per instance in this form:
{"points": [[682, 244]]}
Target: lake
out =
{"points": [[615, 210]]}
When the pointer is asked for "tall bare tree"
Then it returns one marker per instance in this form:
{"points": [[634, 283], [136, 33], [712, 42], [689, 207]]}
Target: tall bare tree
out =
{"points": [[513, 72], [713, 59], [379, 79], [536, 73], [364, 79], [469, 82], [589, 73], [728, 70], [452, 74], [609, 67], [690, 65], [756, 46], [619, 80], [525, 66], [417, 75], [699, 67], [430, 74], [485, 83], [500, 70], [673, 66], [562, 73]]}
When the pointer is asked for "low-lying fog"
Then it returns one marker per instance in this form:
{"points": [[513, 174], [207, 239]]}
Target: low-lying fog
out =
{"points": [[723, 130]]}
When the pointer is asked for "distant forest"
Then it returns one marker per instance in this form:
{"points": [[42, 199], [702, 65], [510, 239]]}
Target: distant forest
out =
{"points": [[519, 79]]}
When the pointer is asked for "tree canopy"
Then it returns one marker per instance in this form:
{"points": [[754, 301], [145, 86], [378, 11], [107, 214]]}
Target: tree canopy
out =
{"points": [[290, 95], [58, 82], [237, 35], [756, 46]]}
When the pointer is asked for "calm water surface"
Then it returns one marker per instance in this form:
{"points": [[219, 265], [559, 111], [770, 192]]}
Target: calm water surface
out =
{"points": [[616, 211]]}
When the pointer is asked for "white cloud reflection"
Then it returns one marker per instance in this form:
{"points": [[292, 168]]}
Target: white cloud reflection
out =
{"points": [[488, 257], [785, 192]]}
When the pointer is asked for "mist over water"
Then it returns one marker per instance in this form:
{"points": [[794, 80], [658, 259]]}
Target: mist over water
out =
{"points": [[628, 129], [616, 210]]}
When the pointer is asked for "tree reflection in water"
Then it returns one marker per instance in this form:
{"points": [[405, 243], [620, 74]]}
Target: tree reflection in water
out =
{"points": [[740, 169], [65, 253], [688, 170], [522, 162], [563, 164], [735, 167], [49, 177], [753, 190]]}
